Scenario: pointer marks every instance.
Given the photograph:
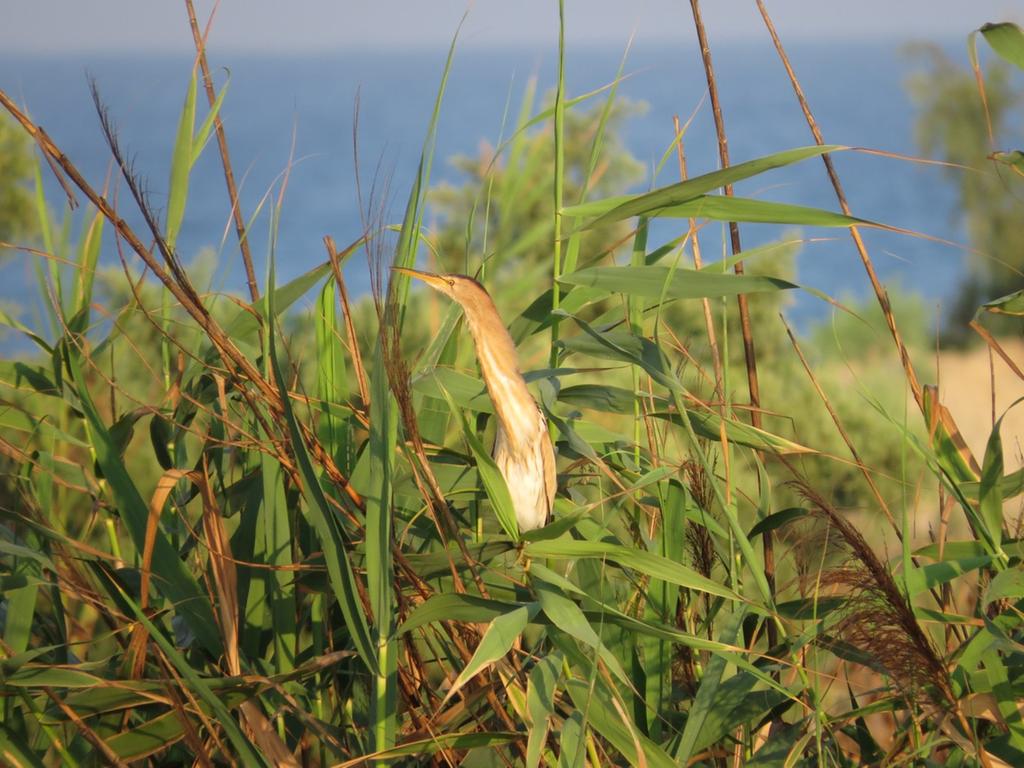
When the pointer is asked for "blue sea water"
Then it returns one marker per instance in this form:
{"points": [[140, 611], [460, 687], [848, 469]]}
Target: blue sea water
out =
{"points": [[304, 106]]}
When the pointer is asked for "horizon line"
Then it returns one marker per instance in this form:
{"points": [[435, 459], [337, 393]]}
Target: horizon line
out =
{"points": [[421, 46]]}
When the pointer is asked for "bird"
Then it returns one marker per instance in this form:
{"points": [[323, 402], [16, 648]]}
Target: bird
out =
{"points": [[522, 446]]}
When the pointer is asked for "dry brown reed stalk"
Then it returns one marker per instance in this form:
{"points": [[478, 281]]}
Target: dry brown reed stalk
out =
{"points": [[880, 293], [346, 309], [221, 566], [184, 701], [749, 349], [88, 733], [222, 143], [979, 329]]}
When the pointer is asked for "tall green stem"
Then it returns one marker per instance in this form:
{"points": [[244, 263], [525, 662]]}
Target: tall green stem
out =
{"points": [[559, 174]]}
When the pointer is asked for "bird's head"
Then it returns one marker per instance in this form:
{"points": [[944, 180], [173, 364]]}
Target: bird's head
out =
{"points": [[465, 290]]}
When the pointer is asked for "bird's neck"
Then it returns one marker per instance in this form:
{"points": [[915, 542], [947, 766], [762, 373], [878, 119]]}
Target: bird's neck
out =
{"points": [[499, 363]]}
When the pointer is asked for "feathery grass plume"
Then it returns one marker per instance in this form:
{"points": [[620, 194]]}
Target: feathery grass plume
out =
{"points": [[141, 196], [698, 538], [878, 618]]}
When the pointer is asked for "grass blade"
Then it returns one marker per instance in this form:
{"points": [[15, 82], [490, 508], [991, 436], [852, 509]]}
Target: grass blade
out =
{"points": [[490, 475], [619, 208], [380, 572], [654, 282], [640, 560], [1006, 39], [181, 165], [496, 642]]}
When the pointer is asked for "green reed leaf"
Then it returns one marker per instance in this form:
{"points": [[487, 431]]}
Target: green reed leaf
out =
{"points": [[617, 209], [496, 642], [490, 475], [181, 165], [203, 134], [657, 282], [640, 560], [1006, 39]]}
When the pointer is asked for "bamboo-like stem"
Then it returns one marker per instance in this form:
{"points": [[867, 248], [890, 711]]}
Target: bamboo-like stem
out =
{"points": [[559, 139], [225, 157]]}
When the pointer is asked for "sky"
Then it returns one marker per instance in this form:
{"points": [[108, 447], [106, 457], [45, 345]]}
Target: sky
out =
{"points": [[273, 26]]}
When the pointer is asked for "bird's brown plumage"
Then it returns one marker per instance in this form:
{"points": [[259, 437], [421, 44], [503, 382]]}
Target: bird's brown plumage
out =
{"points": [[522, 448]]}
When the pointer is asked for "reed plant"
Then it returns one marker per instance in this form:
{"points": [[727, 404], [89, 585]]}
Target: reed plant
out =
{"points": [[227, 544]]}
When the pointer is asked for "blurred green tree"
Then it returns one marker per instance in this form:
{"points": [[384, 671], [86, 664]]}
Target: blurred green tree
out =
{"points": [[502, 215], [952, 126], [16, 210]]}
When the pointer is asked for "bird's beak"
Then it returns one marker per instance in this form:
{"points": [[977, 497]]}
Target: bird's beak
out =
{"points": [[434, 281]]}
